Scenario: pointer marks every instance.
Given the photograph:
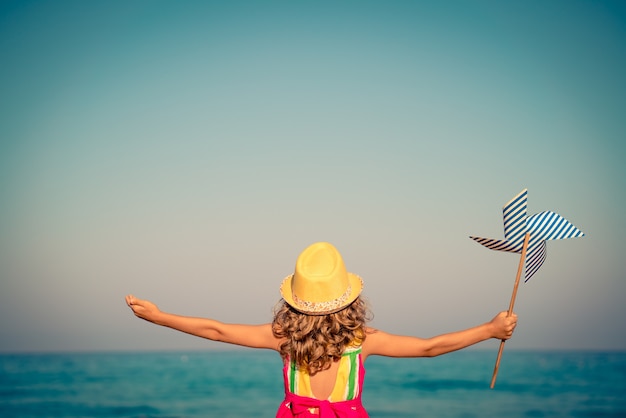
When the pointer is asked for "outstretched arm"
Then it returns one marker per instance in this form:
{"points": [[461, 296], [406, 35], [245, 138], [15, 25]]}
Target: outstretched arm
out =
{"points": [[384, 344], [255, 336]]}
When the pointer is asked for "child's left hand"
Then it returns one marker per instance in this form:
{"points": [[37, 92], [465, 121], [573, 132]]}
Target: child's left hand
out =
{"points": [[143, 309]]}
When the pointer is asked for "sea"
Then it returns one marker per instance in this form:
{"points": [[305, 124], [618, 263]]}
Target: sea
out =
{"points": [[248, 383]]}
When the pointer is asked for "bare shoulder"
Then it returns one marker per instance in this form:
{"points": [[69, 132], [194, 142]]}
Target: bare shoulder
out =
{"points": [[255, 336], [374, 339], [382, 343]]}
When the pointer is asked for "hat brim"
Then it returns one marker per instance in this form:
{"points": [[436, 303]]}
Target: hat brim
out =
{"points": [[356, 287]]}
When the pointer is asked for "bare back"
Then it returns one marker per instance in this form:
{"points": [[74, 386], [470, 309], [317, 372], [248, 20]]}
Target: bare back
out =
{"points": [[323, 383]]}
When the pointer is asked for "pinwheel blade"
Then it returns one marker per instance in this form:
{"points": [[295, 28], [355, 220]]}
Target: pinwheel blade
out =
{"points": [[545, 226], [497, 244], [514, 217], [550, 226]]}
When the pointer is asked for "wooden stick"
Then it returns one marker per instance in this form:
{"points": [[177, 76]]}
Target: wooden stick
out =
{"points": [[520, 268]]}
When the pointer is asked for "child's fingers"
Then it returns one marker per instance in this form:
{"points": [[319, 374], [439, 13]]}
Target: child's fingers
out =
{"points": [[131, 300]]}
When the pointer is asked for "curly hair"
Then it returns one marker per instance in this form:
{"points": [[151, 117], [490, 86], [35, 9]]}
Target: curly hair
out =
{"points": [[315, 341]]}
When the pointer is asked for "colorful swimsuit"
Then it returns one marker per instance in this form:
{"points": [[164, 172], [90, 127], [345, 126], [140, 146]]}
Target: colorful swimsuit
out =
{"points": [[344, 400]]}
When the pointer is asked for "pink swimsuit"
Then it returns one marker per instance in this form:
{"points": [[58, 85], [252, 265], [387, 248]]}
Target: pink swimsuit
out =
{"points": [[344, 401]]}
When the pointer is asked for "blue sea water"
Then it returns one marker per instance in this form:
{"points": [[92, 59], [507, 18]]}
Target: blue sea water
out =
{"points": [[248, 383]]}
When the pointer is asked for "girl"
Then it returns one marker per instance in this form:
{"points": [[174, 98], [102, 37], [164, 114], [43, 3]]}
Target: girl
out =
{"points": [[320, 332]]}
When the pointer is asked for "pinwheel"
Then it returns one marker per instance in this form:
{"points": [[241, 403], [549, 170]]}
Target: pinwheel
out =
{"points": [[527, 236]]}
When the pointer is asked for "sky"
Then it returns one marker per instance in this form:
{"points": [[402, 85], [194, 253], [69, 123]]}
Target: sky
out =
{"points": [[187, 152]]}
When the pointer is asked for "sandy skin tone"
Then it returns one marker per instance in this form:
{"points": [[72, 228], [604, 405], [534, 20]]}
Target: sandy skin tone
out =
{"points": [[377, 342]]}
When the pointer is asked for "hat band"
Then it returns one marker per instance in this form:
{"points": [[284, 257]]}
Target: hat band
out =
{"points": [[321, 307]]}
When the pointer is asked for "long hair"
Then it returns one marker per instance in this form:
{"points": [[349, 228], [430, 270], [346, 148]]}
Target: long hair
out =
{"points": [[315, 341]]}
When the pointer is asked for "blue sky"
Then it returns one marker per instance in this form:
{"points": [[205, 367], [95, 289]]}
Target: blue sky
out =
{"points": [[186, 152]]}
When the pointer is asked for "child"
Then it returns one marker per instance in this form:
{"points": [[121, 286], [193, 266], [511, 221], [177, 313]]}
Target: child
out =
{"points": [[321, 334]]}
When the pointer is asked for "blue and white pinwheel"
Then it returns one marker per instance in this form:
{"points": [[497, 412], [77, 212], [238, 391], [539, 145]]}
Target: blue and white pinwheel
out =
{"points": [[542, 226], [527, 235]]}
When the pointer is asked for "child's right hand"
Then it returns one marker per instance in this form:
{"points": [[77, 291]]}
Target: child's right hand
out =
{"points": [[143, 309], [503, 325]]}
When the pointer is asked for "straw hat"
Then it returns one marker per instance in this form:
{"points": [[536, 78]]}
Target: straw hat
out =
{"points": [[320, 284]]}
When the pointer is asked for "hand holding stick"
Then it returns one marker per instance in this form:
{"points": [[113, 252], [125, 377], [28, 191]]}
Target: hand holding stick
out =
{"points": [[511, 304]]}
